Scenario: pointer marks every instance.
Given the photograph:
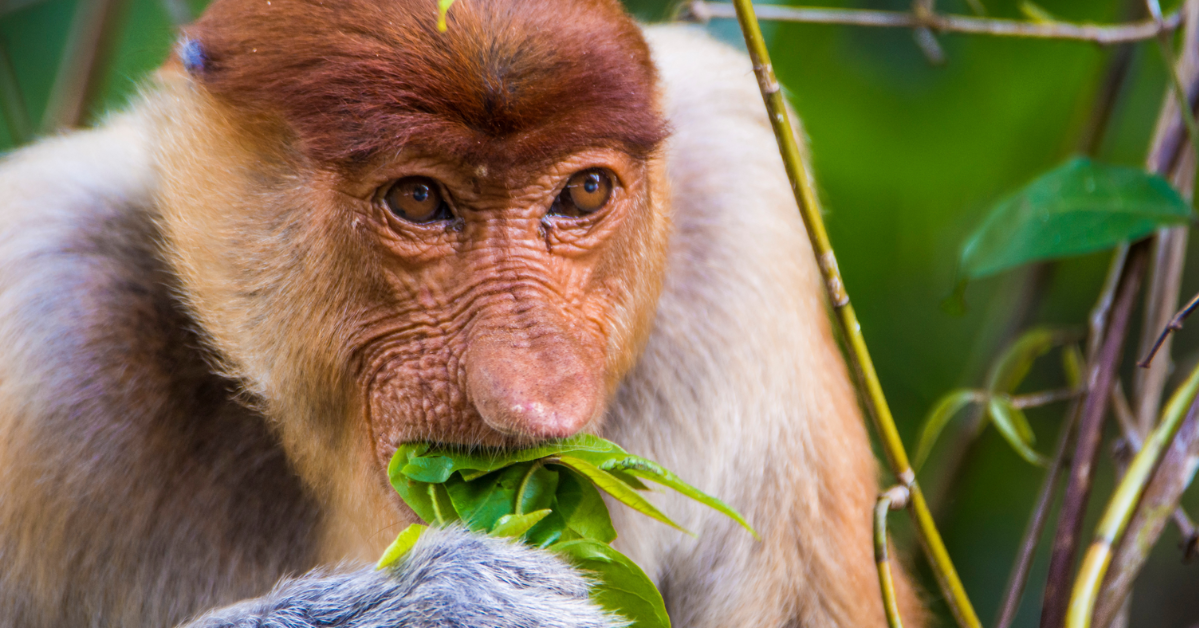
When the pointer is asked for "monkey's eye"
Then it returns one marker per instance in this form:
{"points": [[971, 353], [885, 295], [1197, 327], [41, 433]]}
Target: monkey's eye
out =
{"points": [[417, 199], [585, 193]]}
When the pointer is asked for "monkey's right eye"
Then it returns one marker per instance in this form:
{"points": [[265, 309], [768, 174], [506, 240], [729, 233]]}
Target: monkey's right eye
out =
{"points": [[417, 199]]}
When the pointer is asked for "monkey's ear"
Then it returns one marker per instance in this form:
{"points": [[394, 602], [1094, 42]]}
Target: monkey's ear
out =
{"points": [[191, 55]]}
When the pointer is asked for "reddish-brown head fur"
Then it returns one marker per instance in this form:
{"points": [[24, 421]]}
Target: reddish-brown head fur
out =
{"points": [[509, 82], [501, 325]]}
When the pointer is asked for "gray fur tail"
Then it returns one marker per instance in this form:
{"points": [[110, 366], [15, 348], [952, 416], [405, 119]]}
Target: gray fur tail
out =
{"points": [[451, 579]]}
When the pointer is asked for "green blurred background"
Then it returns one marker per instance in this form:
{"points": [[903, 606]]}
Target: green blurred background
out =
{"points": [[908, 157]]}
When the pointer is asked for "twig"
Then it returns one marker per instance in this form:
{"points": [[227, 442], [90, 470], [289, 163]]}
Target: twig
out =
{"points": [[872, 392], [1036, 523], [1132, 436], [1044, 398], [1018, 578], [939, 22], [894, 498], [1099, 382], [1174, 325], [1161, 298], [1124, 502]]}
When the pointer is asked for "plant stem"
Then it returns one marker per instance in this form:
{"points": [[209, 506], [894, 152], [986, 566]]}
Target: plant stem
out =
{"points": [[1018, 578], [875, 401], [1043, 398], [893, 498], [1124, 502], [1099, 383], [938, 22]]}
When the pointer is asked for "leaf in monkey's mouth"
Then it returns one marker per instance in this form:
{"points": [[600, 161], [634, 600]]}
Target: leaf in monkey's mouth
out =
{"points": [[547, 496]]}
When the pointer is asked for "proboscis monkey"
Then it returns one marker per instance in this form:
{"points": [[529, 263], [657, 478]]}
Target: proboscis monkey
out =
{"points": [[326, 228]]}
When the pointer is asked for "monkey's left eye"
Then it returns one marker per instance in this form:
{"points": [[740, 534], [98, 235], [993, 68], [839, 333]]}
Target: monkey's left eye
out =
{"points": [[586, 192], [417, 199]]}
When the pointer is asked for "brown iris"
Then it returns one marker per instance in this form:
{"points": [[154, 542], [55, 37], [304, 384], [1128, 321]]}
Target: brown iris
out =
{"points": [[586, 192], [417, 199]]}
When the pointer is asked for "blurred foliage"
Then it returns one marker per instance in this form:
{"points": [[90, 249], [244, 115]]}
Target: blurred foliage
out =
{"points": [[908, 157]]}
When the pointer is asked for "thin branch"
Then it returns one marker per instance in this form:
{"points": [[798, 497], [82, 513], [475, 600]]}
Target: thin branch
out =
{"points": [[1078, 490], [1036, 524], [1124, 502], [939, 22], [1188, 437], [1175, 324], [1098, 319], [1044, 398], [1161, 298], [894, 498], [871, 389]]}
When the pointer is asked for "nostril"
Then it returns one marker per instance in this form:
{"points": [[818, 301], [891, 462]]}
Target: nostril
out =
{"points": [[542, 391]]}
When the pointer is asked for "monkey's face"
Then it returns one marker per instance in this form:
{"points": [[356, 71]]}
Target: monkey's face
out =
{"points": [[454, 237], [509, 301]]}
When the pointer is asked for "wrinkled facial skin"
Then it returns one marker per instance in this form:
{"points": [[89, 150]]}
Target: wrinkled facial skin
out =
{"points": [[497, 324], [505, 324]]}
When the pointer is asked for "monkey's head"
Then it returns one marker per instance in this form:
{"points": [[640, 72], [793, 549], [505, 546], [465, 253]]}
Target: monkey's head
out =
{"points": [[391, 233]]}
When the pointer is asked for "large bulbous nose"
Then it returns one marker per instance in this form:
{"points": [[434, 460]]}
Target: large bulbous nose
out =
{"points": [[543, 387]]}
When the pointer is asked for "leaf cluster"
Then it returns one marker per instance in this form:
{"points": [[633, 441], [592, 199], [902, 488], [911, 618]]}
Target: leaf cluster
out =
{"points": [[1000, 406], [549, 497]]}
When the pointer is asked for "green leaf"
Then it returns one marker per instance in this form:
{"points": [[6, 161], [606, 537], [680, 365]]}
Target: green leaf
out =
{"points": [[432, 469], [401, 545], [416, 495], [623, 588], [1019, 422], [655, 472], [582, 508], [537, 488], [627, 478], [1007, 418], [1013, 365], [1076, 208], [517, 525], [1072, 365], [944, 410], [617, 489], [482, 502], [443, 507]]}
